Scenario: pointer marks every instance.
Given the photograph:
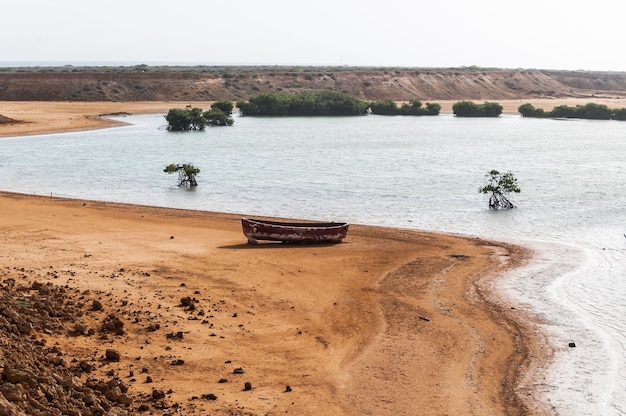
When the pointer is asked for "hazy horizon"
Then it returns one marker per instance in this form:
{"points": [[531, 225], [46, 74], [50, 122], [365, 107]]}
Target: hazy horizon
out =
{"points": [[555, 35], [120, 64]]}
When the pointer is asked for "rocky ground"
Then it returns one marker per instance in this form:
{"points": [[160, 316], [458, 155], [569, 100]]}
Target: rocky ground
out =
{"points": [[40, 377]]}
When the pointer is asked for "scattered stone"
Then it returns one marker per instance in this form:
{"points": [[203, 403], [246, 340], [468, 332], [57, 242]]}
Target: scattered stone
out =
{"points": [[287, 388], [153, 327], [178, 362], [79, 328], [572, 345], [238, 370], [85, 366], [158, 394], [247, 386], [175, 335], [38, 380], [113, 324], [223, 380], [112, 355], [209, 396]]}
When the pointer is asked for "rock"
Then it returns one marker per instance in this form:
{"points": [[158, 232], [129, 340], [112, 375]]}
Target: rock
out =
{"points": [[96, 305], [238, 370], [112, 355], [572, 345], [287, 388], [90, 399], [158, 394], [247, 386], [9, 409], [125, 399], [113, 394], [13, 392], [85, 366], [113, 324], [80, 328]]}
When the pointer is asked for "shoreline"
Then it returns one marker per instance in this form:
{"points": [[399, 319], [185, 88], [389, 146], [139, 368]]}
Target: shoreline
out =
{"points": [[44, 117], [365, 341], [352, 374]]}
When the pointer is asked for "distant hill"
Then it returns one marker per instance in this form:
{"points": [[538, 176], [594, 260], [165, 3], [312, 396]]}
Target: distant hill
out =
{"points": [[145, 83]]}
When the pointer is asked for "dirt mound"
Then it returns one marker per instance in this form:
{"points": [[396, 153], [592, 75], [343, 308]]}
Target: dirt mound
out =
{"points": [[40, 379], [207, 83]]}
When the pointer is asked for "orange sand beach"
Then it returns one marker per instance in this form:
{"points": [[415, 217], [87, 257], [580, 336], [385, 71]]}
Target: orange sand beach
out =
{"points": [[389, 322]]}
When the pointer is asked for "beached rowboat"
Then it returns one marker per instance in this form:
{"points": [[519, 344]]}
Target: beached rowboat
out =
{"points": [[293, 232]]}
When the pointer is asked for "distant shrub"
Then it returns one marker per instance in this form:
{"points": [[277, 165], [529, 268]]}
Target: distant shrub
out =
{"points": [[619, 114], [413, 108], [471, 109], [324, 103], [590, 111]]}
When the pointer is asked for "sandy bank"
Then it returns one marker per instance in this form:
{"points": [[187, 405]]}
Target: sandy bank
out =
{"points": [[389, 322]]}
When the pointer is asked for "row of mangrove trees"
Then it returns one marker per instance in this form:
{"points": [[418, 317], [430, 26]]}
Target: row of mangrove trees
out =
{"points": [[591, 111], [331, 103], [327, 103]]}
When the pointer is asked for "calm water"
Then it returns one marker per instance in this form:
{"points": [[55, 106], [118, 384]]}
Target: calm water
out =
{"points": [[420, 173]]}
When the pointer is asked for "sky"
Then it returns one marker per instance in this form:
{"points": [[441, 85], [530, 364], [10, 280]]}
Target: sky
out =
{"points": [[540, 34]]}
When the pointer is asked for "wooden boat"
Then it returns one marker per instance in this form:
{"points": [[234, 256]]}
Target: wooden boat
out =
{"points": [[293, 232]]}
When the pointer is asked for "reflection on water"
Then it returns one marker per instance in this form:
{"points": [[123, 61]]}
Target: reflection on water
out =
{"points": [[411, 172]]}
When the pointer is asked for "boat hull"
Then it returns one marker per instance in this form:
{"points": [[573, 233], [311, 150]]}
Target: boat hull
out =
{"points": [[293, 232]]}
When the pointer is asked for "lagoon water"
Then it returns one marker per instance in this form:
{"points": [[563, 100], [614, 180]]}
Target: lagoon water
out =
{"points": [[409, 172]]}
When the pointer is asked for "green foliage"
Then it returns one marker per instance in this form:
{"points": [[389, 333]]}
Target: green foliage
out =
{"points": [[471, 109], [193, 118], [385, 108], [198, 122], [433, 109], [587, 111], [324, 103], [186, 173], [225, 106], [491, 109], [591, 111], [265, 104], [217, 117], [528, 110], [500, 186], [171, 168], [413, 108], [619, 114], [178, 119]]}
